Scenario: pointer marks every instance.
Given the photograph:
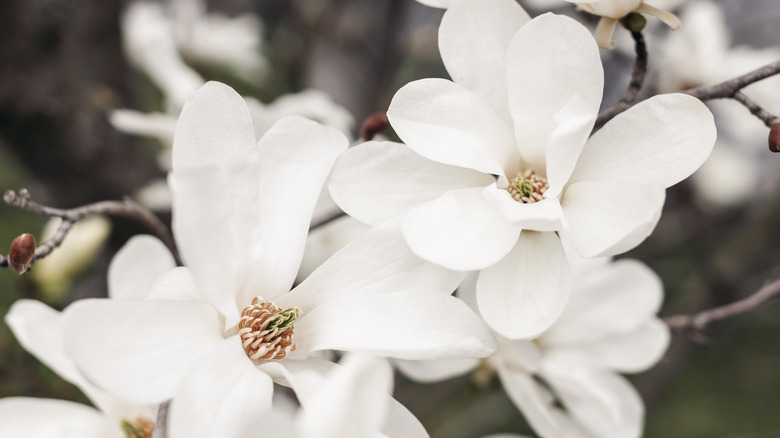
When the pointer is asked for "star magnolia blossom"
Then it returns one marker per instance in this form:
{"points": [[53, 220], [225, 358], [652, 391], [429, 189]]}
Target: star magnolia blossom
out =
{"points": [[609, 326], [39, 329], [220, 331], [611, 11], [499, 163]]}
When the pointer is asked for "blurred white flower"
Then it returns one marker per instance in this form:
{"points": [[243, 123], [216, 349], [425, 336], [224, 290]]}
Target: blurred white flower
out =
{"points": [[611, 11], [608, 327], [240, 215], [499, 163], [55, 273], [39, 329]]}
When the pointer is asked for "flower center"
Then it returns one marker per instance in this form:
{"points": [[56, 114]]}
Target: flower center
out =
{"points": [[266, 331], [139, 428], [528, 187]]}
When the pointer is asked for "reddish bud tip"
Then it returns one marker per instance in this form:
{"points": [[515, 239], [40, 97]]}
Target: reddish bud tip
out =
{"points": [[21, 254], [774, 138], [374, 125]]}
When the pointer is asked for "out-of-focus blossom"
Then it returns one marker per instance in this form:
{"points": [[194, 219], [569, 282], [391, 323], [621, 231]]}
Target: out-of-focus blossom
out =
{"points": [[39, 329], [499, 163], [55, 273], [240, 215], [608, 327], [611, 11]]}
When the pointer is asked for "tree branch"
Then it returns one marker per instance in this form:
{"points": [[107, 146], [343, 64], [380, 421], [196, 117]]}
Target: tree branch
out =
{"points": [[694, 325], [634, 86], [126, 208]]}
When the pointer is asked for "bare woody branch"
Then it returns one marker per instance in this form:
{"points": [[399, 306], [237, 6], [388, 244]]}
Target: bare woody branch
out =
{"points": [[634, 86], [694, 325], [126, 208]]}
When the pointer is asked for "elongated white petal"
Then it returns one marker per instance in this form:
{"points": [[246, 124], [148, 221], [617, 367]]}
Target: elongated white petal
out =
{"points": [[139, 350], [609, 218], [524, 293], [460, 230], [405, 324], [445, 122], [376, 181], [473, 40], [615, 299], [555, 103], [136, 267], [218, 392], [376, 263], [545, 215], [47, 418], [659, 141], [176, 284], [297, 157], [352, 403], [427, 371], [215, 191]]}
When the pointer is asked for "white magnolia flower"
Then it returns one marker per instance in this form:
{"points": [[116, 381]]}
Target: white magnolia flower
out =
{"points": [[240, 215], [608, 327], [39, 329], [499, 163], [611, 11]]}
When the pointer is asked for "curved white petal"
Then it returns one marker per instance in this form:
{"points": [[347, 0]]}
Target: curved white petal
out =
{"points": [[524, 293], [612, 300], [176, 284], [136, 267], [545, 215], [376, 263], [405, 324], [221, 389], [352, 403], [609, 218], [555, 102], [473, 40], [460, 230], [603, 403], [139, 350], [445, 122], [376, 181], [47, 418], [215, 190], [434, 370], [659, 141]]}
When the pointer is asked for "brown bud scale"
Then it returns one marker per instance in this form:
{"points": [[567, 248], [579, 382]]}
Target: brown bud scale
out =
{"points": [[774, 138], [375, 124], [21, 253]]}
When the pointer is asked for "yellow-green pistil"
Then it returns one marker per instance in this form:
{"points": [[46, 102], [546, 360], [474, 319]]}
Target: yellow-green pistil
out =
{"points": [[528, 187]]}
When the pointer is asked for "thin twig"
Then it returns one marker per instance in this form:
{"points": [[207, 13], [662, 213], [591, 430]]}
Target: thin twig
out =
{"points": [[126, 208], [326, 218], [768, 118], [634, 86], [694, 325], [729, 88]]}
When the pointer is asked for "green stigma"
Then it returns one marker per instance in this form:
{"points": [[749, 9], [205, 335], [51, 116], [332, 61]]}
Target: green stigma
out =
{"points": [[284, 319], [131, 431], [525, 187]]}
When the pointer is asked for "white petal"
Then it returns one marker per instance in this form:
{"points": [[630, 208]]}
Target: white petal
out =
{"points": [[602, 402], [555, 103], [406, 325], [156, 125], [630, 352], [524, 293], [353, 402], [176, 284], [324, 241], [615, 299], [215, 190], [46, 418], [297, 157], [609, 218], [376, 181], [659, 141], [377, 262], [447, 123], [428, 371], [545, 215], [473, 40], [218, 392], [460, 230], [136, 267], [139, 350]]}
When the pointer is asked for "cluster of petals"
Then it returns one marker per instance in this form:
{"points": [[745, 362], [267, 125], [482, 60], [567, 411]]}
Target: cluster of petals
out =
{"points": [[524, 96], [241, 213], [609, 327]]}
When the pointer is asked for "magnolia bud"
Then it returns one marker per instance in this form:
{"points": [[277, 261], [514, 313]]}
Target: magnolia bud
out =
{"points": [[22, 252], [374, 125], [774, 138], [634, 22]]}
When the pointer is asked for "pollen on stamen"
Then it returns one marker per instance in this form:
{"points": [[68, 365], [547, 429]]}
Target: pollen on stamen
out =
{"points": [[139, 428], [266, 331], [528, 187]]}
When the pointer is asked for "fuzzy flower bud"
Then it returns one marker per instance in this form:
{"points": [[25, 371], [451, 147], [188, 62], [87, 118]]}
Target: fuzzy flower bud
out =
{"points": [[21, 253], [774, 138]]}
